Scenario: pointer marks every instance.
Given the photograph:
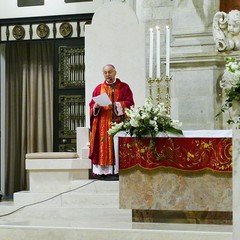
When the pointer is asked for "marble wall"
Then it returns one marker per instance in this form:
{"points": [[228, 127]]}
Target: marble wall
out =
{"points": [[196, 66]]}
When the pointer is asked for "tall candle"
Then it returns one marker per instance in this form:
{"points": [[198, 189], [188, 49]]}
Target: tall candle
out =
{"points": [[158, 52], [151, 53], [167, 51]]}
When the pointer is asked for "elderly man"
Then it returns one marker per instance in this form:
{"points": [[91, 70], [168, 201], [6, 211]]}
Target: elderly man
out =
{"points": [[101, 144]]}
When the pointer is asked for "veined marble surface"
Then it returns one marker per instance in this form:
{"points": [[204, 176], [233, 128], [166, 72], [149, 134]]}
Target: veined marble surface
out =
{"points": [[164, 189]]}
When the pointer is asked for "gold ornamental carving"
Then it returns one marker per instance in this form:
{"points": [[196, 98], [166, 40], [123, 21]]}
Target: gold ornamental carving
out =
{"points": [[159, 90], [43, 30], [66, 29], [18, 32]]}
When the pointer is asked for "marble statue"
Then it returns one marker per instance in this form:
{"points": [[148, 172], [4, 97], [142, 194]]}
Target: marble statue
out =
{"points": [[226, 30]]}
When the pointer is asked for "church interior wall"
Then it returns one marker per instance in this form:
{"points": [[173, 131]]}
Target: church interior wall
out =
{"points": [[120, 43], [193, 97], [53, 7], [50, 7], [195, 65], [192, 43]]}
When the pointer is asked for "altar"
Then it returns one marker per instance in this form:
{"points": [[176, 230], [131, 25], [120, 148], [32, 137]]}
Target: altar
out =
{"points": [[186, 179]]}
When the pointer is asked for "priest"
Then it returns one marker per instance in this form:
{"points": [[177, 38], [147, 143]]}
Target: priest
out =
{"points": [[101, 144]]}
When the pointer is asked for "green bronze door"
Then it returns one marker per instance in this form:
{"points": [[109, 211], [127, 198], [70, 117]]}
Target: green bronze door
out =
{"points": [[69, 94]]}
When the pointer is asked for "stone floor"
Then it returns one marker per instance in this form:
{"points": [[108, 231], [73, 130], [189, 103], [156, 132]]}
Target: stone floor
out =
{"points": [[90, 212]]}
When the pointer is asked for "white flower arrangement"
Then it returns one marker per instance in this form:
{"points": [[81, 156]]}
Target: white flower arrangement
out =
{"points": [[230, 84], [147, 120]]}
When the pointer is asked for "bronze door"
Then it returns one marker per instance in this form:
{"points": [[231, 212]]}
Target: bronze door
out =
{"points": [[69, 94]]}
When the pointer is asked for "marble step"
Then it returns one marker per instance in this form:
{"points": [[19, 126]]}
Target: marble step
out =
{"points": [[61, 223], [37, 230], [84, 185], [72, 199], [66, 213], [93, 185]]}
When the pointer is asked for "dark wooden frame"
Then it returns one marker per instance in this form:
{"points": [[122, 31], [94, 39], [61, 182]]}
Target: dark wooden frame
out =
{"points": [[26, 3], [70, 1], [41, 20]]}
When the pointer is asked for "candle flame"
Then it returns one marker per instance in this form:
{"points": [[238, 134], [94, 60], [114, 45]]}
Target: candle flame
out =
{"points": [[157, 27], [150, 29]]}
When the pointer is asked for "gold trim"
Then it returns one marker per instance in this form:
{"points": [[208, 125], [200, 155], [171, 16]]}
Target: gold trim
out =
{"points": [[169, 168]]}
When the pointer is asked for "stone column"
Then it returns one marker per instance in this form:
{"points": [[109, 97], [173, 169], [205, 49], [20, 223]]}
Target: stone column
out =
{"points": [[236, 180]]}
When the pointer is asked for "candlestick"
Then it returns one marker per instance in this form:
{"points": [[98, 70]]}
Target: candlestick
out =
{"points": [[158, 52], [151, 53], [167, 51]]}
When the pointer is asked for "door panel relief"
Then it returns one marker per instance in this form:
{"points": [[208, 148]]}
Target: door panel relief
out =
{"points": [[71, 96]]}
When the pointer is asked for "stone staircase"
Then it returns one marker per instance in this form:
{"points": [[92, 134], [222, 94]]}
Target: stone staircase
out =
{"points": [[90, 210], [63, 204], [78, 197], [89, 203]]}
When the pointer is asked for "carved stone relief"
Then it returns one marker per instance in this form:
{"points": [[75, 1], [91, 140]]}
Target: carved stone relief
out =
{"points": [[226, 30]]}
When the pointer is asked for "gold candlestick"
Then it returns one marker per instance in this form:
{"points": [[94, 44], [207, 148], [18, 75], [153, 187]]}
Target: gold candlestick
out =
{"points": [[159, 90]]}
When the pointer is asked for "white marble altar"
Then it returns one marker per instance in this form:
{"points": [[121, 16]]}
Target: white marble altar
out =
{"points": [[55, 171], [88, 211]]}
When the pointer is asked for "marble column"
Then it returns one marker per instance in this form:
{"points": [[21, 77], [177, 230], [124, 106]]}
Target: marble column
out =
{"points": [[236, 181]]}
